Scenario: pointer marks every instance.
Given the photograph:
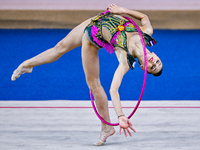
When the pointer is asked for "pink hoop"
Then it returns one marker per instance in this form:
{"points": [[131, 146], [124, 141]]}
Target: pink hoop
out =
{"points": [[144, 81]]}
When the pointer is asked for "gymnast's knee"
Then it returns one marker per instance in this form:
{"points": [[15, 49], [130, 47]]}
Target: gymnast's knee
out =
{"points": [[93, 85], [61, 48]]}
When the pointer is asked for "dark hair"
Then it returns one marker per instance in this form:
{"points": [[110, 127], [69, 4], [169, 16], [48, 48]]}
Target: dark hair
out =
{"points": [[157, 74]]}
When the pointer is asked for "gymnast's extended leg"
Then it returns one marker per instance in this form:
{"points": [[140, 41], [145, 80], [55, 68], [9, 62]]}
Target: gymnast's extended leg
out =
{"points": [[71, 41]]}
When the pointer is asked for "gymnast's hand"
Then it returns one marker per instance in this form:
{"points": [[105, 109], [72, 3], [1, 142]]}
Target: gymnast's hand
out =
{"points": [[125, 124], [115, 9]]}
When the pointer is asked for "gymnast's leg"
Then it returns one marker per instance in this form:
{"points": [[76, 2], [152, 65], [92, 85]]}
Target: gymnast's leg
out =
{"points": [[90, 62], [71, 41]]}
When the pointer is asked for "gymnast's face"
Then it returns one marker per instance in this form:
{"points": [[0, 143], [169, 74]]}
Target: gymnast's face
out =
{"points": [[154, 64]]}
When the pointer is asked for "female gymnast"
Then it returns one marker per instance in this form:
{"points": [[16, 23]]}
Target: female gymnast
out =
{"points": [[116, 34]]}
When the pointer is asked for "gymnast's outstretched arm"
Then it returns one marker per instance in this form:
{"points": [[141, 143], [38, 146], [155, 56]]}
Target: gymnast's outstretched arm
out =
{"points": [[122, 69]]}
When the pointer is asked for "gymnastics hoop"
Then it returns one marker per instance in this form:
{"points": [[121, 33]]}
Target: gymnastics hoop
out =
{"points": [[144, 81]]}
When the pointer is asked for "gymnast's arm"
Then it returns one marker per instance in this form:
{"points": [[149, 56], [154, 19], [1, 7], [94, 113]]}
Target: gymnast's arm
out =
{"points": [[121, 70], [117, 79], [144, 19]]}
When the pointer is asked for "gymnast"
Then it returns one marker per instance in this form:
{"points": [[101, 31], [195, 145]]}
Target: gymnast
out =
{"points": [[116, 34]]}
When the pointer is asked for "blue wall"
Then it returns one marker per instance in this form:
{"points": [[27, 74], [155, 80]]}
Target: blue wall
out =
{"points": [[64, 79]]}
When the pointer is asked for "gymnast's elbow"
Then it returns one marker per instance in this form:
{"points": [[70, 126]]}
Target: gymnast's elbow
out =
{"points": [[113, 91]]}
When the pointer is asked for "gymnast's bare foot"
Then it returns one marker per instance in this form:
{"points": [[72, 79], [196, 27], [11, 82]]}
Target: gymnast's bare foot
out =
{"points": [[104, 135], [21, 70]]}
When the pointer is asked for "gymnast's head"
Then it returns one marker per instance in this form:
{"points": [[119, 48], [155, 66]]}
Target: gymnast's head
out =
{"points": [[154, 64]]}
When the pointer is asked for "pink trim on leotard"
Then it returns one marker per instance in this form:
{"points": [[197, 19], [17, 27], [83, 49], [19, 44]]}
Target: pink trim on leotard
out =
{"points": [[107, 46]]}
